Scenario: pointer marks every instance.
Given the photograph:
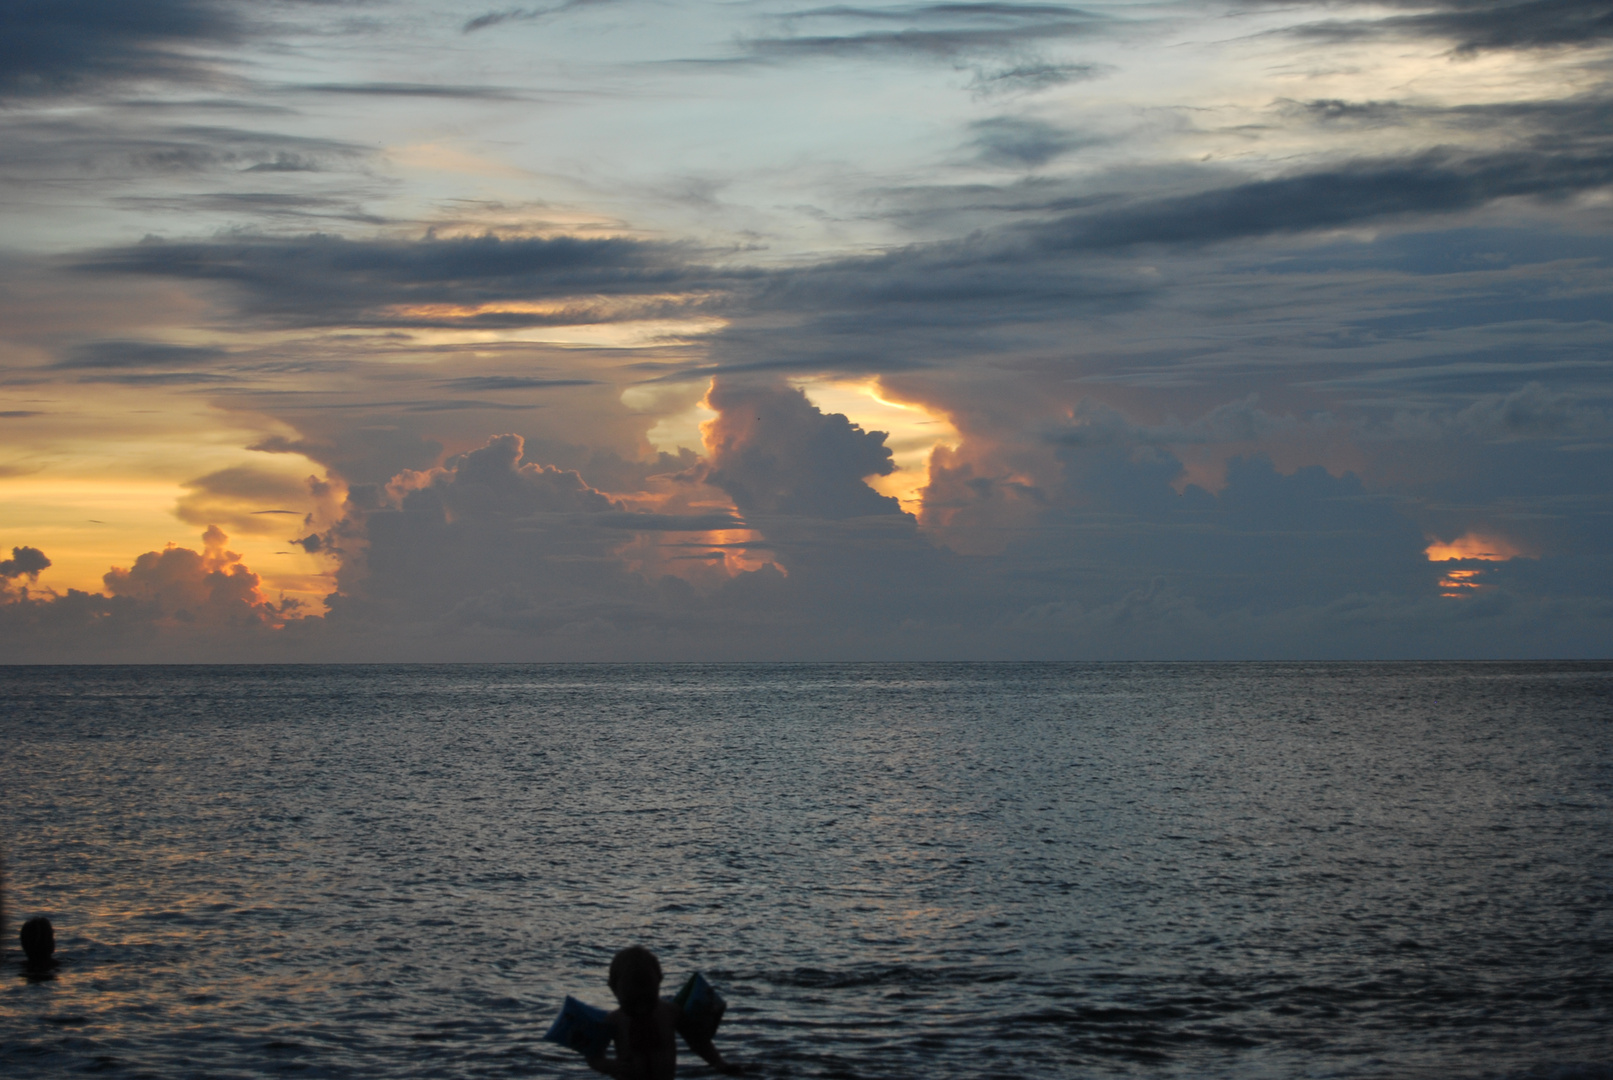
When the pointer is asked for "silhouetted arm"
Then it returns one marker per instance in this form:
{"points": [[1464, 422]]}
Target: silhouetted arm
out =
{"points": [[602, 1063], [713, 1057]]}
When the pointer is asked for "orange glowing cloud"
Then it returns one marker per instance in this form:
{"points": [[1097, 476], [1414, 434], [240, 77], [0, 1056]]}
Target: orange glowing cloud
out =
{"points": [[212, 586], [1469, 546], [1472, 546]]}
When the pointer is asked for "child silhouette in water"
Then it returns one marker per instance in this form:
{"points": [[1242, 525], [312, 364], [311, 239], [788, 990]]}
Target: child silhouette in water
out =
{"points": [[644, 1028]]}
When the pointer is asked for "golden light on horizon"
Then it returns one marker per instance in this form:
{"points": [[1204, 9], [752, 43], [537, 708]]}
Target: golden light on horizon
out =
{"points": [[90, 526]]}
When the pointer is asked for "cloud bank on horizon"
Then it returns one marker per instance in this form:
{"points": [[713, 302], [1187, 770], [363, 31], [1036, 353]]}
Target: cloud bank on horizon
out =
{"points": [[392, 330]]}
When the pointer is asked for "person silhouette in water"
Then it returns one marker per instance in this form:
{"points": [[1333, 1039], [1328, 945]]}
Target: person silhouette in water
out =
{"points": [[38, 945], [645, 1025]]}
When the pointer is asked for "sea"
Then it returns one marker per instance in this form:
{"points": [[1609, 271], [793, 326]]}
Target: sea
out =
{"points": [[887, 870]]}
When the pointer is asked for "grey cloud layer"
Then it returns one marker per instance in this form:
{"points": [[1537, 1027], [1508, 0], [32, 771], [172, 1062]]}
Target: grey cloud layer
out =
{"points": [[325, 280], [50, 47], [937, 31], [1478, 25]]}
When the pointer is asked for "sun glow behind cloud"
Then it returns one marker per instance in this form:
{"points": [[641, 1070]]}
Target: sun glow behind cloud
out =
{"points": [[1464, 581], [913, 431]]}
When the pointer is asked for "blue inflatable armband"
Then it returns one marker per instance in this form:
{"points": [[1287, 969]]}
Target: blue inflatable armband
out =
{"points": [[581, 1027], [700, 1008]]}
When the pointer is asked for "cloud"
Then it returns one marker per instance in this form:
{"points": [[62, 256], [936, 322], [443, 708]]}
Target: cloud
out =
{"points": [[24, 561], [1533, 412], [933, 31], [508, 15], [1097, 424], [774, 452], [486, 538], [202, 605], [166, 378], [137, 354], [1435, 182], [366, 455], [1030, 77], [322, 280], [511, 382], [96, 146], [55, 47], [210, 587], [1021, 141], [247, 499], [494, 479], [1483, 25], [416, 90]]}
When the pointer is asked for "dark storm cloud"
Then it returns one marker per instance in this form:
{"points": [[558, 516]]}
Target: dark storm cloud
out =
{"points": [[1478, 25], [325, 280], [137, 354], [52, 47]]}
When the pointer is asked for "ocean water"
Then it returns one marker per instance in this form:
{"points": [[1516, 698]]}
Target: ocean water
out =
{"points": [[927, 870]]}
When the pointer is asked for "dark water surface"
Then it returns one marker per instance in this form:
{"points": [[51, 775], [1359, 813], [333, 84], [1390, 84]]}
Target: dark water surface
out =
{"points": [[939, 870]]}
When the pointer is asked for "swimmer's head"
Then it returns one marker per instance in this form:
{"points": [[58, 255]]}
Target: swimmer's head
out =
{"points": [[635, 979], [38, 941]]}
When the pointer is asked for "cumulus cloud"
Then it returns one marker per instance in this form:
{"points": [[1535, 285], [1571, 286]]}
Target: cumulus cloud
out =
{"points": [[212, 586], [24, 561], [177, 603], [774, 452]]}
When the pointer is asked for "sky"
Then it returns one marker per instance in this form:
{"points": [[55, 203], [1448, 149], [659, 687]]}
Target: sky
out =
{"points": [[390, 330]]}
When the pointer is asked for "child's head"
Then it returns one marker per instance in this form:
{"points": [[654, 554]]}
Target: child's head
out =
{"points": [[38, 940], [635, 979]]}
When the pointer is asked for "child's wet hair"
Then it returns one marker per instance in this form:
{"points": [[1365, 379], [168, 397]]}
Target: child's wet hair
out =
{"points": [[635, 978]]}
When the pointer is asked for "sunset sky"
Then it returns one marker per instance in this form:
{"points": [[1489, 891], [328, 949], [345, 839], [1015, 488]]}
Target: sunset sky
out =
{"points": [[621, 330]]}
